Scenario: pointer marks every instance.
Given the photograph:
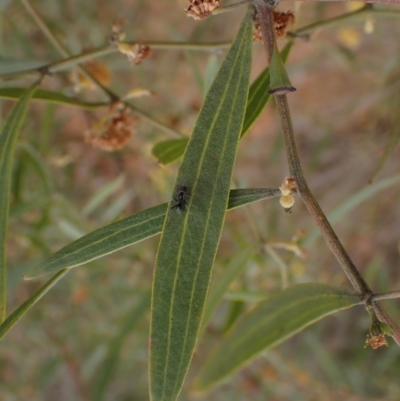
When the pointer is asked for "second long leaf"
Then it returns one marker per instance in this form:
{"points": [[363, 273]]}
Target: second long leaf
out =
{"points": [[192, 230]]}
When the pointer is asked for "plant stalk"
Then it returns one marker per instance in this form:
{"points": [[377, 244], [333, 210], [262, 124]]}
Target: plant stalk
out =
{"points": [[265, 15], [111, 95]]}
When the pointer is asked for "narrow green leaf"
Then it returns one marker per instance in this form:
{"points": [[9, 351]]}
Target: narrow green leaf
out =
{"points": [[236, 309], [390, 147], [50, 97], [170, 150], [105, 240], [246, 296], [21, 208], [114, 350], [258, 93], [270, 323], [38, 163], [8, 138], [241, 197], [217, 292], [128, 231], [27, 305], [190, 239]]}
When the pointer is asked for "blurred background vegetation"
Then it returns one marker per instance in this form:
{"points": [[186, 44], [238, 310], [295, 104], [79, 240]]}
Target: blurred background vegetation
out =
{"points": [[88, 338]]}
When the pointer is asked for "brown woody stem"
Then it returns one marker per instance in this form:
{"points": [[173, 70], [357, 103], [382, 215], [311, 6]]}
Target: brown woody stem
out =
{"points": [[312, 205], [265, 15]]}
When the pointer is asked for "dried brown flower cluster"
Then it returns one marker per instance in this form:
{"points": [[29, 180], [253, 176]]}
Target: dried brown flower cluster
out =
{"points": [[201, 9], [376, 341], [113, 131], [136, 53], [282, 21]]}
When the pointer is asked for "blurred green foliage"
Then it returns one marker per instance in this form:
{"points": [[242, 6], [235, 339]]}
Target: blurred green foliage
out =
{"points": [[88, 338]]}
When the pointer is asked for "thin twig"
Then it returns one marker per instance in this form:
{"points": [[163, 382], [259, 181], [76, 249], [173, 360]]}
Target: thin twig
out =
{"points": [[111, 95], [72, 61], [265, 14], [393, 2], [231, 7], [265, 11], [60, 48], [367, 9], [385, 318], [182, 45], [312, 205], [44, 28], [374, 309], [387, 295], [283, 267]]}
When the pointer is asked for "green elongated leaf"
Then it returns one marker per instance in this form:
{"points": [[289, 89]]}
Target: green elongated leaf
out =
{"points": [[390, 147], [114, 350], [128, 231], [39, 165], [170, 150], [8, 139], [103, 241], [246, 296], [258, 93], [241, 197], [50, 97], [236, 309], [21, 208], [270, 323], [27, 305], [190, 239], [217, 292]]}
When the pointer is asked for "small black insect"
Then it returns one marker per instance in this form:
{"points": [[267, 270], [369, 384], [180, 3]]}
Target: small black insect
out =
{"points": [[181, 193]]}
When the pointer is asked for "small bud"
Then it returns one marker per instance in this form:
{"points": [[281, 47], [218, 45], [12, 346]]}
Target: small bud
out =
{"points": [[287, 188], [117, 29], [201, 9], [287, 203], [136, 53], [138, 92], [369, 26]]}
